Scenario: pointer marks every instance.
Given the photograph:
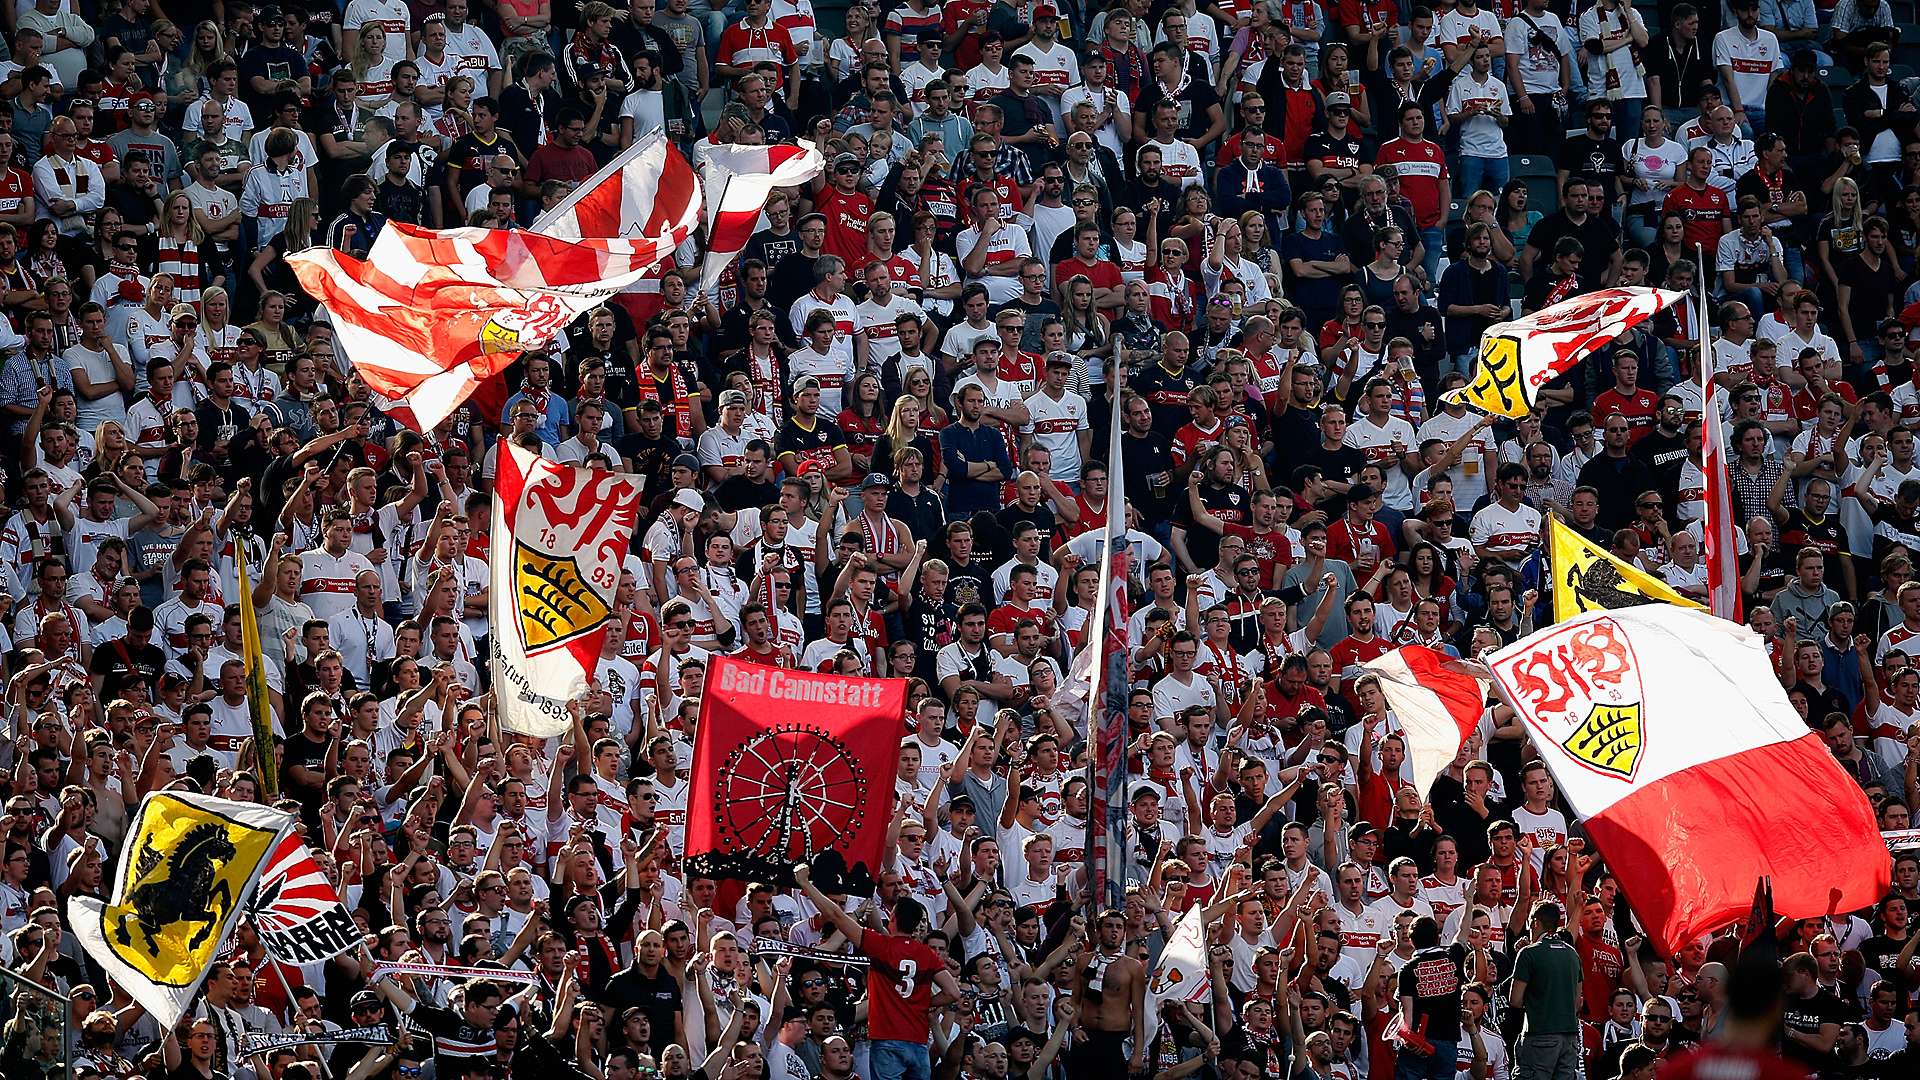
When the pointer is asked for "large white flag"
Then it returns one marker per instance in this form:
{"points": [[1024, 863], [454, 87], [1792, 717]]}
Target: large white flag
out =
{"points": [[184, 879], [560, 533], [295, 909], [1183, 973], [1517, 358]]}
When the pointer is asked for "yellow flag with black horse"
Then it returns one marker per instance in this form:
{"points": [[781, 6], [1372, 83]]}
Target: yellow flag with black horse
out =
{"points": [[1586, 577], [189, 864]]}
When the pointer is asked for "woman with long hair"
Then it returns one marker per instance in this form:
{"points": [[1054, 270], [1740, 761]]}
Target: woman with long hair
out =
{"points": [[843, 56], [903, 429], [455, 120], [917, 383], [1482, 206], [177, 247], [373, 68], [1088, 334], [281, 339], [42, 254], [1515, 219], [1256, 248], [110, 448], [1669, 245], [1194, 226], [190, 79], [1337, 76], [860, 420], [1428, 566], [1378, 276], [1841, 233], [108, 223]]}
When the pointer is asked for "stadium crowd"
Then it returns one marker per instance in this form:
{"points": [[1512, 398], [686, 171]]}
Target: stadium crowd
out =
{"points": [[1275, 228]]}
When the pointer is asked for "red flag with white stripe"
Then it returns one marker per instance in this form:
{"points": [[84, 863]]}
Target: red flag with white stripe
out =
{"points": [[738, 180], [1438, 702], [1670, 737], [649, 190]]}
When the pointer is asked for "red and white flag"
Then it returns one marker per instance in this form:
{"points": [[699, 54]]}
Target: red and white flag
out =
{"points": [[295, 909], [559, 537], [1671, 738], [1438, 702], [648, 191], [1717, 539], [738, 180], [430, 315]]}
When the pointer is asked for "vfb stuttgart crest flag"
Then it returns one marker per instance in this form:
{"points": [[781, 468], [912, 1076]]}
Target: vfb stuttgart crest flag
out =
{"points": [[184, 878], [1671, 738], [560, 534]]}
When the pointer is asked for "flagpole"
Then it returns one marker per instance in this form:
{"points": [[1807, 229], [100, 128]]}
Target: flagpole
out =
{"points": [[1100, 770]]}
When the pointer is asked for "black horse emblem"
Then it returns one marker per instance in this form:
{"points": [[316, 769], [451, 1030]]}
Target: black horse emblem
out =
{"points": [[189, 891], [1598, 586]]}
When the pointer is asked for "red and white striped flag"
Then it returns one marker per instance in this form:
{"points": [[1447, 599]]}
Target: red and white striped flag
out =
{"points": [[738, 181], [649, 190], [1670, 737], [430, 315], [1438, 702], [1717, 542]]}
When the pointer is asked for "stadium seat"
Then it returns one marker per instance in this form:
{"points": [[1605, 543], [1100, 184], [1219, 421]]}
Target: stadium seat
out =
{"points": [[1543, 192], [1456, 210], [1532, 166]]}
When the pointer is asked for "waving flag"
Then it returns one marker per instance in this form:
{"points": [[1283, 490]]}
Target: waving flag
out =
{"points": [[647, 191], [738, 180], [1518, 358], [184, 879], [430, 315], [1438, 701], [559, 536], [296, 911], [1587, 577], [1182, 973], [1669, 735]]}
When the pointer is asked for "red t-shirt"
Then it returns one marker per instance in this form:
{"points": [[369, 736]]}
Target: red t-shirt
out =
{"points": [[1703, 210], [1730, 1063], [1422, 169], [1102, 275], [846, 215], [1350, 651], [1601, 964], [1638, 409], [899, 987]]}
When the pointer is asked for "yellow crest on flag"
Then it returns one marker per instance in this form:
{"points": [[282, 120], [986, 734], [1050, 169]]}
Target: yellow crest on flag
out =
{"points": [[1609, 739], [556, 604], [186, 869], [1496, 380], [1588, 578]]}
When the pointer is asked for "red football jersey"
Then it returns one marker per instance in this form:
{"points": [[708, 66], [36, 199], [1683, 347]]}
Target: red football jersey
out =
{"points": [[899, 987]]}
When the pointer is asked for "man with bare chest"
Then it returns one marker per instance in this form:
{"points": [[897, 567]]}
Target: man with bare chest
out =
{"points": [[1112, 989]]}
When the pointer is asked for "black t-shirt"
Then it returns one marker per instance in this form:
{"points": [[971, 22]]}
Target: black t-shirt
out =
{"points": [[1340, 465], [658, 997], [1806, 1015], [1145, 459], [1194, 101], [1041, 516], [738, 493], [651, 458], [1433, 980], [303, 751], [802, 443], [1882, 954], [971, 582], [1230, 504], [1166, 391], [1595, 159], [470, 154], [118, 659], [1347, 153], [1598, 235], [929, 625]]}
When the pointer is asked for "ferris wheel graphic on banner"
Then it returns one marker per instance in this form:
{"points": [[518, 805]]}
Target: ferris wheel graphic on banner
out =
{"points": [[789, 794]]}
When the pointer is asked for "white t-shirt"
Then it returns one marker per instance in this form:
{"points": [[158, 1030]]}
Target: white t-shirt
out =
{"points": [[1056, 425], [1375, 442], [1539, 59], [1753, 61], [1481, 136], [1501, 529], [1469, 474], [1615, 74], [1007, 244]]}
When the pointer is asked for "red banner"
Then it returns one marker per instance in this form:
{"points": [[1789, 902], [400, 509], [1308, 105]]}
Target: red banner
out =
{"points": [[790, 766]]}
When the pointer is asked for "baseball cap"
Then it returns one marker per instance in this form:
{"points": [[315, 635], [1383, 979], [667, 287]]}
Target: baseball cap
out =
{"points": [[181, 311], [1805, 60], [876, 480], [732, 397], [142, 98], [1141, 789], [690, 499], [959, 801], [366, 999], [1017, 1033], [804, 383], [1045, 11], [1361, 829], [843, 159], [930, 37], [686, 461], [805, 467], [1339, 100]]}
